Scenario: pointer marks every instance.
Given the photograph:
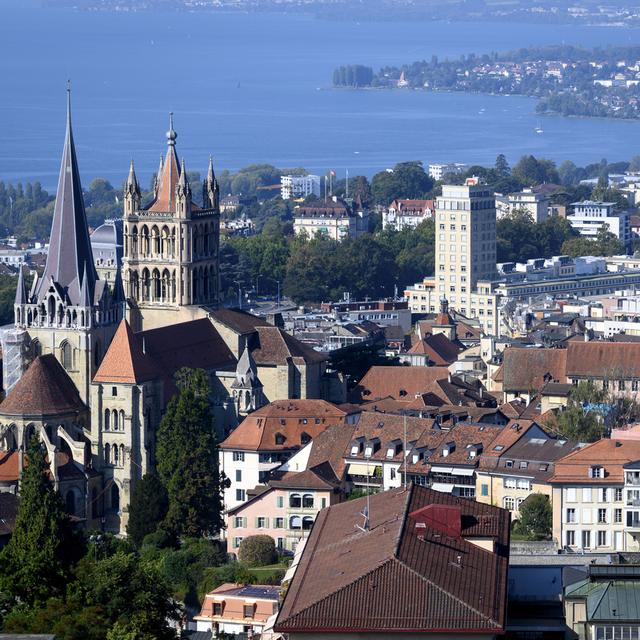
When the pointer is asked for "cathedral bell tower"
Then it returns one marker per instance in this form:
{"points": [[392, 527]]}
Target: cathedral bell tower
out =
{"points": [[170, 245]]}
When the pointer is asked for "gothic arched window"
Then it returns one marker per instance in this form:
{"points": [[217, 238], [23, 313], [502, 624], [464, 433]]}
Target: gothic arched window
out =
{"points": [[66, 355], [107, 419]]}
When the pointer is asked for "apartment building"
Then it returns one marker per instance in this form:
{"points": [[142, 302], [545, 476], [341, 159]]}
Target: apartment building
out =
{"points": [[299, 186], [589, 216], [536, 204], [422, 297], [407, 213], [596, 497], [333, 218], [465, 261], [267, 438], [438, 170]]}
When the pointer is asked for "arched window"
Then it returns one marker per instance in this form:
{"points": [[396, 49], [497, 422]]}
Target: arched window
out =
{"points": [[70, 502], [66, 355], [295, 500], [307, 500], [107, 419], [116, 459], [107, 454], [36, 348], [51, 310], [155, 241], [295, 522], [307, 523], [97, 353], [114, 417], [122, 455], [115, 497], [121, 420], [134, 241]]}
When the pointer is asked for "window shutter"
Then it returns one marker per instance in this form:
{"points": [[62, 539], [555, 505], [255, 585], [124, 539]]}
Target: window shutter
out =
{"points": [[244, 522]]}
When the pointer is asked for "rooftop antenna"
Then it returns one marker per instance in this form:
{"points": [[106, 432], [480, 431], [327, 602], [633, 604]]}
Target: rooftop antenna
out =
{"points": [[366, 511], [347, 188]]}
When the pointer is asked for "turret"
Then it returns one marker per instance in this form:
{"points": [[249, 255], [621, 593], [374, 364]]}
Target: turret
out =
{"points": [[183, 193], [210, 189], [131, 192]]}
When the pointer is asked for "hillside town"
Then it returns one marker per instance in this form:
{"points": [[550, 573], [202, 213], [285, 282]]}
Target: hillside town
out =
{"points": [[460, 458]]}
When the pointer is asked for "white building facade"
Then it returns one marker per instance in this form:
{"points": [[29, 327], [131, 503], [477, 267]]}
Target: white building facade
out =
{"points": [[299, 186]]}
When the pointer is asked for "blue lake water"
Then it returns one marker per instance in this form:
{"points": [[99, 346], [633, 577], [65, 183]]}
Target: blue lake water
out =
{"points": [[252, 88]]}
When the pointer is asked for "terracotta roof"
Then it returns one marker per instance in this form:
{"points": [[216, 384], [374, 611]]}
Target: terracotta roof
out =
{"points": [[529, 369], [195, 344], [464, 437], [273, 346], [44, 389], [329, 446], [397, 382], [513, 409], [438, 348], [320, 477], [498, 375], [238, 321], [598, 359], [165, 198], [287, 418], [125, 360], [9, 466], [408, 572], [610, 454]]}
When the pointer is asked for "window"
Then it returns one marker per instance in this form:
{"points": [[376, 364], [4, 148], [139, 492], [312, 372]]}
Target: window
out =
{"points": [[618, 494], [66, 353], [602, 516], [508, 464], [295, 522], [280, 438], [522, 483], [240, 495], [571, 516], [523, 464], [278, 523], [236, 542], [586, 539], [217, 608], [509, 503], [307, 523], [114, 391], [604, 495], [602, 538], [295, 500], [238, 456], [279, 502], [596, 472], [586, 495], [307, 501], [617, 515], [484, 490], [238, 475], [510, 483], [570, 537], [248, 611], [238, 522], [261, 522]]}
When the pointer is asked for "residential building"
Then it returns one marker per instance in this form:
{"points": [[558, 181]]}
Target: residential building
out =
{"points": [[600, 602], [405, 563], [534, 203], [596, 496], [238, 610], [407, 213], [588, 217], [312, 479], [465, 257], [333, 218], [519, 463], [267, 438], [382, 312], [422, 297], [292, 187], [170, 245], [438, 171]]}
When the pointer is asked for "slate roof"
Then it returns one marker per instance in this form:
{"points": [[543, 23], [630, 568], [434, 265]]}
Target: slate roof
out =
{"points": [[406, 573], [44, 389], [70, 252], [125, 360], [288, 418]]}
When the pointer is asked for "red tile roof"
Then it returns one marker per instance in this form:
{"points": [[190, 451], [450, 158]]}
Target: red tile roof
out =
{"points": [[438, 348], [165, 199], [398, 382], [9, 466], [407, 573], [125, 360], [599, 359], [44, 389], [273, 346], [287, 418]]}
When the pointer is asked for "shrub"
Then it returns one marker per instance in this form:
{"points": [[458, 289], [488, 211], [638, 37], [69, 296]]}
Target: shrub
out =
{"points": [[257, 551]]}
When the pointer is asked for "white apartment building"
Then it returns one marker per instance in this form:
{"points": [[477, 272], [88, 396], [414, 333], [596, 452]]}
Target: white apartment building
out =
{"points": [[407, 213], [589, 216], [439, 170], [465, 261], [299, 186], [537, 204], [422, 297], [333, 218]]}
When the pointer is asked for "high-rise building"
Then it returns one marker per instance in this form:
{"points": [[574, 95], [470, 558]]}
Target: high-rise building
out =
{"points": [[466, 249], [170, 245], [299, 186]]}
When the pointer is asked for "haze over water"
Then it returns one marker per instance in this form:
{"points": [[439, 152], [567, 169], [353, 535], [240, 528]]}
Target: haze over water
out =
{"points": [[253, 88]]}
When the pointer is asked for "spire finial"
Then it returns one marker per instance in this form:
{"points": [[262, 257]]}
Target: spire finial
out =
{"points": [[68, 101], [171, 134]]}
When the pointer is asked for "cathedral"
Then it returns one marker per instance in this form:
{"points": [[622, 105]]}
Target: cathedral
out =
{"points": [[90, 361]]}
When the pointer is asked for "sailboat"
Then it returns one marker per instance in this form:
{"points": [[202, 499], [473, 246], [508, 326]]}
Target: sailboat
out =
{"points": [[539, 128]]}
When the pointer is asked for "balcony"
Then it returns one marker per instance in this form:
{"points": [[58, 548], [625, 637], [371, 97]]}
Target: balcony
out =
{"points": [[633, 502], [633, 525], [633, 481], [373, 481]]}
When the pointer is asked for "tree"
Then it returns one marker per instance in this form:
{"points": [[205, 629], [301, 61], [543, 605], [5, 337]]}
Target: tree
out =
{"points": [[535, 517], [187, 459], [406, 180], [147, 509], [502, 166], [257, 551], [531, 171], [582, 419], [34, 565]]}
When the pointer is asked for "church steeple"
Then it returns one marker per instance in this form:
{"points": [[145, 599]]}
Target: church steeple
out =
{"points": [[21, 290], [69, 245], [169, 175], [210, 189], [131, 191]]}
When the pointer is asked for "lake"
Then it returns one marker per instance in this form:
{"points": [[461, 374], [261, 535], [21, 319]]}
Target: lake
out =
{"points": [[254, 88]]}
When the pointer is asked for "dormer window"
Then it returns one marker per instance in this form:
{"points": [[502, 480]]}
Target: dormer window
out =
{"points": [[508, 464], [368, 451], [305, 438], [596, 471], [391, 452], [448, 448], [280, 438], [355, 449], [523, 464]]}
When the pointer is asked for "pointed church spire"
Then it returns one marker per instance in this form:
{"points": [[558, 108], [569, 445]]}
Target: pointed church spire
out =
{"points": [[183, 183], [21, 290], [246, 370], [132, 182], [85, 293], [210, 188], [168, 175], [211, 176], [70, 254]]}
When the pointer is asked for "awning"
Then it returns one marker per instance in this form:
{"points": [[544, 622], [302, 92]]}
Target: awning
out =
{"points": [[460, 471], [359, 469]]}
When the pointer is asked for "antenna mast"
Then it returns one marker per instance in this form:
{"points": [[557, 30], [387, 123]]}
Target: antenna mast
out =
{"points": [[404, 449]]}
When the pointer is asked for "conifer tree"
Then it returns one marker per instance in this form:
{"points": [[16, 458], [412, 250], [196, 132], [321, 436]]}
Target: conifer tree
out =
{"points": [[33, 566], [147, 509], [187, 459]]}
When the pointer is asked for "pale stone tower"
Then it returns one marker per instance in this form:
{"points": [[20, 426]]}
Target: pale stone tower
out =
{"points": [[247, 389], [69, 311], [170, 246]]}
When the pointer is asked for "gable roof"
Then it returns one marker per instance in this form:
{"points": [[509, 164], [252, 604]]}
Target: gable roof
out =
{"points": [[397, 382], [405, 573], [598, 359], [525, 369], [125, 361], [273, 346], [438, 348], [286, 418], [44, 389], [239, 321]]}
